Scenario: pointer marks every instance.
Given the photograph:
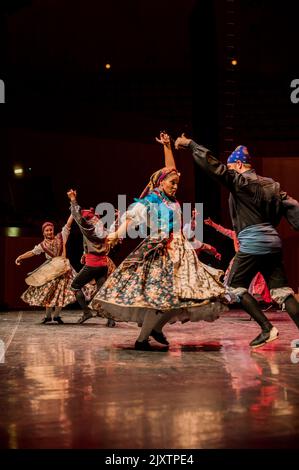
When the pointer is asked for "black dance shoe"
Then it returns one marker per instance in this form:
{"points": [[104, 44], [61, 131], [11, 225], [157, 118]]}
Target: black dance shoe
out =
{"points": [[59, 320], [160, 337], [265, 337], [110, 323], [143, 346], [46, 320], [85, 316]]}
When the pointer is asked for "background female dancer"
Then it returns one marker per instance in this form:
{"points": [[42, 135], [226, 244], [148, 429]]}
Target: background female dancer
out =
{"points": [[56, 293], [189, 232]]}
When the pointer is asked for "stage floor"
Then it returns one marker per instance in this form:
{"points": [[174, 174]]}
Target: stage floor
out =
{"points": [[84, 386]]}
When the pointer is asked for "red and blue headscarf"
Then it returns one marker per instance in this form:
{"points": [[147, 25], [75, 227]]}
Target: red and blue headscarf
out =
{"points": [[240, 153]]}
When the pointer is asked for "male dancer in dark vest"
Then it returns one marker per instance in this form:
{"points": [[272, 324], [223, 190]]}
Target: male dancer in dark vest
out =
{"points": [[257, 205]]}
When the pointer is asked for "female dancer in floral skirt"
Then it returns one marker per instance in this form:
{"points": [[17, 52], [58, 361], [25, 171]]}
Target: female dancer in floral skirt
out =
{"points": [[162, 280], [56, 293]]}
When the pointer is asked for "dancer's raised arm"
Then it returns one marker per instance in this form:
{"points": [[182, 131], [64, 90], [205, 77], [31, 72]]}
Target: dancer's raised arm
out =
{"points": [[225, 231], [165, 140], [69, 222]]}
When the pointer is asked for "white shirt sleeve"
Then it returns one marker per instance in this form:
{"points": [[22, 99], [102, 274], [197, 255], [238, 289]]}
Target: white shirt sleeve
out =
{"points": [[196, 244], [187, 231], [65, 233], [189, 234], [100, 230], [137, 212], [37, 250]]}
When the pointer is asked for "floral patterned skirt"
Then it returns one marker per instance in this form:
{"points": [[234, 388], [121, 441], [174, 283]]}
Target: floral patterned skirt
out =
{"points": [[168, 278], [57, 292]]}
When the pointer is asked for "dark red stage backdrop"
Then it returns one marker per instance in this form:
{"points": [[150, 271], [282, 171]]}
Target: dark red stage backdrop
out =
{"points": [[99, 169]]}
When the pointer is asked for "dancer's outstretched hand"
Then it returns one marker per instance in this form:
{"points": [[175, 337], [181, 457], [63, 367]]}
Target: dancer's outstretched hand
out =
{"points": [[182, 142], [18, 261], [164, 139], [112, 239], [72, 194], [208, 221]]}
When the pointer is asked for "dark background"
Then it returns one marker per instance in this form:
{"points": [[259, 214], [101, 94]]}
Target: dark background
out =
{"points": [[69, 121]]}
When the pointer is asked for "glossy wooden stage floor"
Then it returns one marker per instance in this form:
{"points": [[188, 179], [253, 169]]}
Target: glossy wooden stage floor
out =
{"points": [[84, 386]]}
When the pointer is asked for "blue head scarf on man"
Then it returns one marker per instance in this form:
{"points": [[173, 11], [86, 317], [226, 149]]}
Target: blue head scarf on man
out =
{"points": [[240, 153]]}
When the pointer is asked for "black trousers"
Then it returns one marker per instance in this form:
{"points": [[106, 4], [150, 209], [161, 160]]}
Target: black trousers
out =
{"points": [[88, 273], [246, 266]]}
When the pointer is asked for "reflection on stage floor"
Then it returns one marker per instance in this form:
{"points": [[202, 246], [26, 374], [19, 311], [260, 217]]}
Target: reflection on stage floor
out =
{"points": [[84, 386]]}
